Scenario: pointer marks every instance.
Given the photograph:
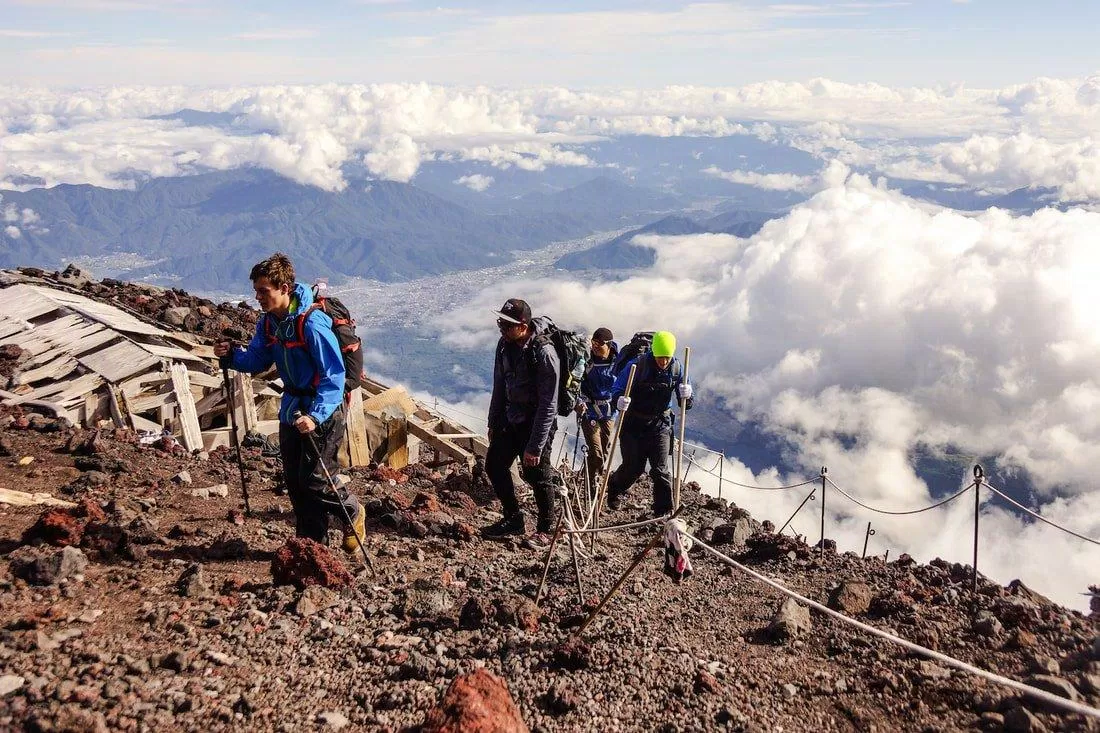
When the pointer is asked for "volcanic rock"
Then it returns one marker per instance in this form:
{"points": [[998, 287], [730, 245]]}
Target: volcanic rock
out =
{"points": [[478, 702]]}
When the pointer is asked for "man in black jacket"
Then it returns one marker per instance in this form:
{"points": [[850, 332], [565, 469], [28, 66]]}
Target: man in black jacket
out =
{"points": [[522, 418]]}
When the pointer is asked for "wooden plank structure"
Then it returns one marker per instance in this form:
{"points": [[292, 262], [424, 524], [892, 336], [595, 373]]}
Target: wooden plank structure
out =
{"points": [[95, 363]]}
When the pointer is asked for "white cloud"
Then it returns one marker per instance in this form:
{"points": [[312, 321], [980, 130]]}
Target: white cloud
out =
{"points": [[475, 181], [865, 325], [12, 232], [771, 181]]}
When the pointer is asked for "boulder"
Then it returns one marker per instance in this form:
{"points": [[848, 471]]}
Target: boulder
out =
{"points": [[49, 568], [192, 583], [1019, 720], [425, 598], [302, 562], [478, 702], [986, 624], [791, 620], [734, 533], [851, 598]]}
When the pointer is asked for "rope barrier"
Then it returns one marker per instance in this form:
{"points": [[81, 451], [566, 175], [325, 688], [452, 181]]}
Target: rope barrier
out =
{"points": [[750, 486], [613, 527], [1034, 692], [900, 513], [1038, 516]]}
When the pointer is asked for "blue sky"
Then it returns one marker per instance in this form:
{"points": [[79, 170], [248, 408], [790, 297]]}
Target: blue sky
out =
{"points": [[617, 43]]}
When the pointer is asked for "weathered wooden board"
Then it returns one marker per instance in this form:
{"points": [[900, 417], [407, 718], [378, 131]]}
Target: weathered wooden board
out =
{"points": [[189, 419], [120, 360], [357, 447]]}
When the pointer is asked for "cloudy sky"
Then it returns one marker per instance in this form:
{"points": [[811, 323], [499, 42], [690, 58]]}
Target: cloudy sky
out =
{"points": [[592, 44]]}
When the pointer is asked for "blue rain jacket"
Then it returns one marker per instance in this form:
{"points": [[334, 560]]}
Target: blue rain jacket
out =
{"points": [[596, 387], [314, 369]]}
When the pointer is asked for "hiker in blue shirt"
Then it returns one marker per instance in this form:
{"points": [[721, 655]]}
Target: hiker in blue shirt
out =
{"points": [[646, 434], [298, 339], [595, 410]]}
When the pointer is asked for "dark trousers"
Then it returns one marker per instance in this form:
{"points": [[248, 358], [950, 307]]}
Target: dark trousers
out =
{"points": [[507, 445], [309, 491], [597, 436], [639, 444]]}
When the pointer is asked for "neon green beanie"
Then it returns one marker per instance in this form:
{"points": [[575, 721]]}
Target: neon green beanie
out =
{"points": [[664, 344]]}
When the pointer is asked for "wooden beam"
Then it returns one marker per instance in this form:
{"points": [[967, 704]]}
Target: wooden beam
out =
{"points": [[358, 449], [443, 445], [397, 445], [189, 418], [244, 402]]}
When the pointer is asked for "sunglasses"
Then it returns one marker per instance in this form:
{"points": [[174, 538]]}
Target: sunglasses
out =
{"points": [[504, 325]]}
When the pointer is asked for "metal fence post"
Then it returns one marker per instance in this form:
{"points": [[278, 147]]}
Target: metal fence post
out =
{"points": [[979, 474], [721, 466], [865, 538], [824, 470]]}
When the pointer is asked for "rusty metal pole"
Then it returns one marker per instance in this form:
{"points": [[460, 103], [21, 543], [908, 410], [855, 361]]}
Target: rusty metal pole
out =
{"points": [[809, 497], [865, 538], [721, 466]]}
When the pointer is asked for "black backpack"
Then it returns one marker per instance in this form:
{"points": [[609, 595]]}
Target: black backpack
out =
{"points": [[572, 350], [343, 325], [640, 343]]}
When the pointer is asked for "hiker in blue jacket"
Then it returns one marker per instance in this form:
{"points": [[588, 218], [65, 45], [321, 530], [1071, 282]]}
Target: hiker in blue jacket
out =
{"points": [[646, 433], [299, 341], [595, 410]]}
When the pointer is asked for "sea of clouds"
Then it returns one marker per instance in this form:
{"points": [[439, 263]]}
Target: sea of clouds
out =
{"points": [[1040, 133], [864, 326]]}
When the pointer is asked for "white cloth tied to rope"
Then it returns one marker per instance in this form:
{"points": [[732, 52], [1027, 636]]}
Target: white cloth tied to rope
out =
{"points": [[677, 544]]}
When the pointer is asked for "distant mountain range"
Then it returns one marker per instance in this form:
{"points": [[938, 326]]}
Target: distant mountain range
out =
{"points": [[621, 254], [208, 230]]}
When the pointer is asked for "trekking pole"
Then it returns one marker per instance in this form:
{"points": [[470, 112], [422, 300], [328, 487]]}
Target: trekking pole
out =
{"points": [[336, 497], [231, 408], [576, 444], [598, 506], [680, 443]]}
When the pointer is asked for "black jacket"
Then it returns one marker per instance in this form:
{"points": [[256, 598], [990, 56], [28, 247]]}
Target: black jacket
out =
{"points": [[525, 388]]}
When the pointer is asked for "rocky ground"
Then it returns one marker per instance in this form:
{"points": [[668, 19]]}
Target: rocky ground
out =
{"points": [[156, 605]]}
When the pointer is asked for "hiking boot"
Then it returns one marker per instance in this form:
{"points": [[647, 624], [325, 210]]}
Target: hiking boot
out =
{"points": [[356, 532], [545, 525], [538, 541], [615, 500], [506, 526]]}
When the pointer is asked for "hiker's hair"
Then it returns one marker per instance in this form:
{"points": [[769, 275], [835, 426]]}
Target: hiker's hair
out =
{"points": [[277, 268]]}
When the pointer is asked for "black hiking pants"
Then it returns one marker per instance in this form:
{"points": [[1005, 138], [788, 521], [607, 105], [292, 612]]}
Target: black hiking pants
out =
{"points": [[309, 491], [640, 443], [507, 445]]}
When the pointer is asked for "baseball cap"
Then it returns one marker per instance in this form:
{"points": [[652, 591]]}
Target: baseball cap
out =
{"points": [[515, 311]]}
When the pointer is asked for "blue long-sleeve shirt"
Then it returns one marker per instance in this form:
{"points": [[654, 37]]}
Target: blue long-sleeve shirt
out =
{"points": [[654, 388], [314, 369], [597, 385]]}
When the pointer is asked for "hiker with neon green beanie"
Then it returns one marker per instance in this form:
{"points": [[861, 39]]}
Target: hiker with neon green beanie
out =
{"points": [[646, 434]]}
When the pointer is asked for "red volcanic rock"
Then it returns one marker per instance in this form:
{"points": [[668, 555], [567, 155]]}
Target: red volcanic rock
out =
{"points": [[302, 562], [478, 702]]}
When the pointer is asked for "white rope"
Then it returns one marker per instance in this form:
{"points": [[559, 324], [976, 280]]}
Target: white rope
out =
{"points": [[750, 486], [1038, 516], [900, 513], [950, 661], [613, 527]]}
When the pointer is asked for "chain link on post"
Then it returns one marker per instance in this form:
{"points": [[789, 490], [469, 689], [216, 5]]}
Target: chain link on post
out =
{"points": [[865, 538], [979, 475], [824, 471]]}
